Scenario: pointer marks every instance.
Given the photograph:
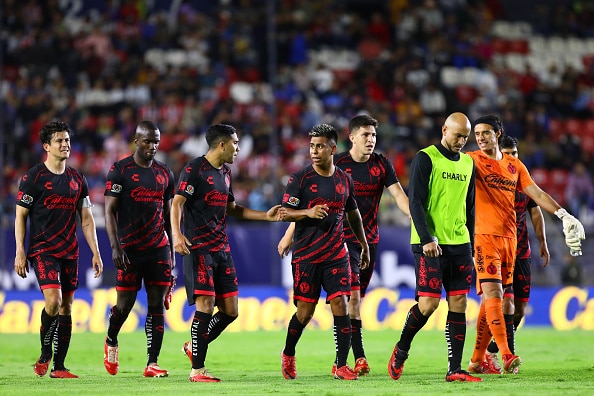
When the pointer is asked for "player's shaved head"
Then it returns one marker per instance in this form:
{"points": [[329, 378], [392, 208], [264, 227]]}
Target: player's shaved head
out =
{"points": [[457, 121], [145, 127]]}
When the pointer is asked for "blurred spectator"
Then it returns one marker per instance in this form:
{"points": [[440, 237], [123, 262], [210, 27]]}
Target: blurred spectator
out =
{"points": [[579, 193]]}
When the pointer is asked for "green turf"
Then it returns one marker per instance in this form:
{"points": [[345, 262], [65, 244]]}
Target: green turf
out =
{"points": [[555, 363]]}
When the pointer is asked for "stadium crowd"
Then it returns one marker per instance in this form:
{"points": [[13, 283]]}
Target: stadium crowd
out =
{"points": [[190, 64]]}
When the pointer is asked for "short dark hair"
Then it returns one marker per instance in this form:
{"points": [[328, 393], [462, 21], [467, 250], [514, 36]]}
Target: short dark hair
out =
{"points": [[362, 120], [47, 131], [492, 120], [216, 133], [147, 126], [324, 130], [508, 142]]}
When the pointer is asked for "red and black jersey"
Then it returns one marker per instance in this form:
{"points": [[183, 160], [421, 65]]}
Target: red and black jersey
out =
{"points": [[522, 204], [369, 178], [142, 193], [52, 201], [207, 190], [318, 241]]}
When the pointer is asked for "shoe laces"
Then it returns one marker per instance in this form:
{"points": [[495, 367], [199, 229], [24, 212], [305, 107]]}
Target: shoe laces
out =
{"points": [[112, 354]]}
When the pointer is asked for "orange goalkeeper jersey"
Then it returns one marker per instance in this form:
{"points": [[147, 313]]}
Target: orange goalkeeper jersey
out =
{"points": [[496, 184]]}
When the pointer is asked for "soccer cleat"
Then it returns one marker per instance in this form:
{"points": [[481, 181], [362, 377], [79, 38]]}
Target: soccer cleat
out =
{"points": [[396, 364], [62, 373], [493, 360], [110, 358], [461, 376], [345, 373], [153, 370], [483, 367], [41, 366], [511, 363], [288, 365], [169, 293], [202, 375], [334, 368], [361, 367], [187, 349]]}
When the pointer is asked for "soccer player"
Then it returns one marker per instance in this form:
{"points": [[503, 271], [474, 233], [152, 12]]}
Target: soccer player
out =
{"points": [[317, 198], [205, 196], [371, 173], [138, 195], [51, 194], [498, 178], [515, 298], [442, 195]]}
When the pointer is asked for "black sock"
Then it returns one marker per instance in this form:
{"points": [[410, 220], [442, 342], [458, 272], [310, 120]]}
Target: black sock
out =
{"points": [[154, 328], [294, 332], [62, 340], [218, 323], [199, 333], [116, 320], [455, 333], [357, 339], [343, 339], [46, 335], [414, 322], [510, 330]]}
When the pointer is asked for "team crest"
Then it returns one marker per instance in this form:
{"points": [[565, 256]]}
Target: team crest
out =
{"points": [[25, 198], [340, 189], [160, 179], [293, 201], [374, 171], [73, 185], [511, 169]]}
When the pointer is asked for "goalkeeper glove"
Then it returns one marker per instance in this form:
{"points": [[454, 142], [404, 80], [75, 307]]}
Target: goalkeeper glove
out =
{"points": [[573, 230]]}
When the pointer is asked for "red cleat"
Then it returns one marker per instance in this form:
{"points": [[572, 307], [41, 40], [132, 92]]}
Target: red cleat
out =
{"points": [[484, 367], [334, 369], [288, 365], [153, 370], [202, 375], [511, 363], [40, 368], [361, 367], [64, 373], [345, 373], [461, 376], [110, 358], [396, 364]]}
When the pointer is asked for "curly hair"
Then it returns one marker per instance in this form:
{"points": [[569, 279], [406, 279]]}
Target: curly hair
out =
{"points": [[47, 131]]}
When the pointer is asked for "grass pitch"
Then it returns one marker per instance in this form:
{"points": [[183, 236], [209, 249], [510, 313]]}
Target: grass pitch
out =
{"points": [[554, 363]]}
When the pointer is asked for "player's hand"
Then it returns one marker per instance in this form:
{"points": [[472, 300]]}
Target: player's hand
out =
{"points": [[319, 212], [284, 245], [573, 230], [21, 266], [544, 254], [365, 258], [97, 265], [432, 249], [276, 213], [181, 244], [119, 258]]}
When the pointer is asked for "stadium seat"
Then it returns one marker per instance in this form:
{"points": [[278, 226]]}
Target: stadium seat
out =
{"points": [[451, 76], [540, 177], [574, 126], [518, 46], [500, 45], [557, 128]]}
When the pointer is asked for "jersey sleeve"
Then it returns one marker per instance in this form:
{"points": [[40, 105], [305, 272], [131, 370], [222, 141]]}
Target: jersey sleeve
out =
{"points": [[113, 184], [292, 195], [351, 203], [170, 189], [188, 180], [391, 177], [524, 178], [26, 194]]}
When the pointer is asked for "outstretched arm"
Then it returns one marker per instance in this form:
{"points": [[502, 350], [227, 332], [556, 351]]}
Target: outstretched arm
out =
{"points": [[539, 228]]}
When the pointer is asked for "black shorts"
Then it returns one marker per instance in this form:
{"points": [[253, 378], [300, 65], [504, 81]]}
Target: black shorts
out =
{"points": [[522, 280], [209, 274], [308, 280], [360, 279], [55, 273], [154, 266], [453, 272]]}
